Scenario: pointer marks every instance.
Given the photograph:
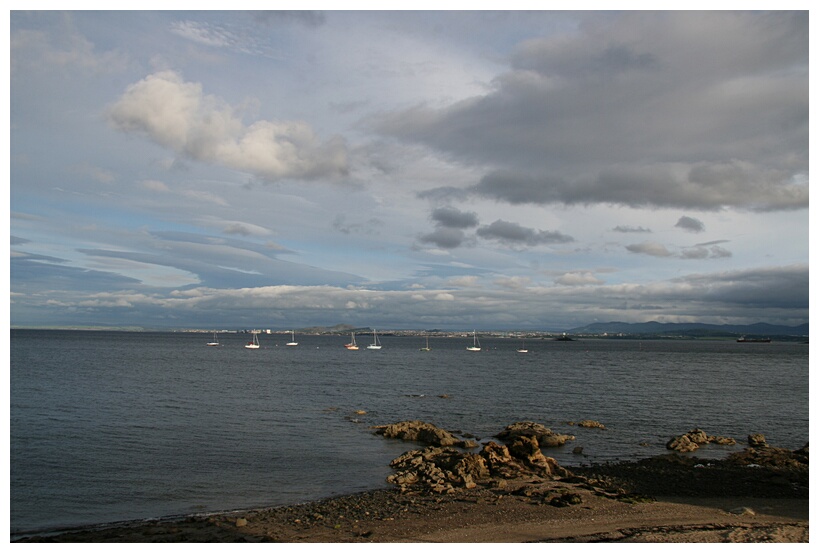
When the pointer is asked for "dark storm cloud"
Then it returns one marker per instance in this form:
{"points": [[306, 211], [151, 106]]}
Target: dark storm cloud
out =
{"points": [[451, 217], [513, 233], [690, 224], [776, 288], [672, 109]]}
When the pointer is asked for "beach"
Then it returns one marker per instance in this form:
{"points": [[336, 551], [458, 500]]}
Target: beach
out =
{"points": [[759, 495]]}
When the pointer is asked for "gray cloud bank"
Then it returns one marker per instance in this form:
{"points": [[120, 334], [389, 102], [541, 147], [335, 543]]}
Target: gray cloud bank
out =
{"points": [[662, 109], [775, 294]]}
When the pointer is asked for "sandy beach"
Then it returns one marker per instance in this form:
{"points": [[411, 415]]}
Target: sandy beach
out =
{"points": [[757, 496]]}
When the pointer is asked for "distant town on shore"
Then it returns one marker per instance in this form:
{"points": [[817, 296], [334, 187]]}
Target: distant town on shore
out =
{"points": [[610, 330]]}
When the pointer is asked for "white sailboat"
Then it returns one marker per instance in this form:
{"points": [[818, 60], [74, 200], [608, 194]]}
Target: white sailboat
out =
{"points": [[292, 341], [427, 346], [352, 345], [476, 345], [255, 343], [376, 344], [522, 348], [215, 341]]}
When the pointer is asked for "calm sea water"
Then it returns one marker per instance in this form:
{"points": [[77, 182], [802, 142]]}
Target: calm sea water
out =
{"points": [[113, 426]]}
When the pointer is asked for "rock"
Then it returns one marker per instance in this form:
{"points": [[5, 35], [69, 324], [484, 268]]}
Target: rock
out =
{"points": [[527, 449], [555, 440], [682, 444], [591, 424], [757, 440], [241, 522], [566, 499], [526, 428], [769, 456], [578, 450], [698, 436], [426, 433], [742, 511], [361, 412], [692, 440], [444, 469], [545, 436]]}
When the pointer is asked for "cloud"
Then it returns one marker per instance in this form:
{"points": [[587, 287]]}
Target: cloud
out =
{"points": [[308, 18], [513, 283], [466, 281], [773, 294], [447, 238], [245, 229], [97, 173], [578, 278], [649, 248], [155, 185], [65, 48], [451, 217], [449, 225], [368, 227], [614, 111], [627, 229], [177, 115], [690, 224], [513, 233], [697, 252]]}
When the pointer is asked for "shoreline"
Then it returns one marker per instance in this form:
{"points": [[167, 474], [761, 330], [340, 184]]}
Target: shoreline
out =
{"points": [[669, 498]]}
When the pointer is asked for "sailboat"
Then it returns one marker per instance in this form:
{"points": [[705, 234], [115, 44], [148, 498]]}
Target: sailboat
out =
{"points": [[375, 344], [351, 345], [427, 346], [476, 345], [292, 341], [255, 343], [522, 348], [215, 341]]}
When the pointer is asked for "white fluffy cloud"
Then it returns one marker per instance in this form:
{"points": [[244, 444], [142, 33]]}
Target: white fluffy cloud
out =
{"points": [[178, 115]]}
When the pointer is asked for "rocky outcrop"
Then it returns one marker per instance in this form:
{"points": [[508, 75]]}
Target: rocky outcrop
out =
{"points": [[769, 456], [545, 436], [423, 432], [692, 440], [757, 440], [444, 469], [591, 424]]}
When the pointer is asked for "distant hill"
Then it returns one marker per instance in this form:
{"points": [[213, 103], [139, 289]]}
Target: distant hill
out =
{"points": [[337, 329], [690, 329]]}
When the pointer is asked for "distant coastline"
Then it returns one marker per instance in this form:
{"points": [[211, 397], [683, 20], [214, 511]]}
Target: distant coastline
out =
{"points": [[612, 330]]}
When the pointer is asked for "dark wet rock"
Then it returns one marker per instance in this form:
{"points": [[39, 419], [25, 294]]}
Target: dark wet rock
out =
{"points": [[754, 472]]}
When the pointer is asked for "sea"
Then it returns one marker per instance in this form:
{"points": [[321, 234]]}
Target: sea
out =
{"points": [[107, 427]]}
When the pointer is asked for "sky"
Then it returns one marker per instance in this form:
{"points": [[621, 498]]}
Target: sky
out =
{"points": [[535, 170]]}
